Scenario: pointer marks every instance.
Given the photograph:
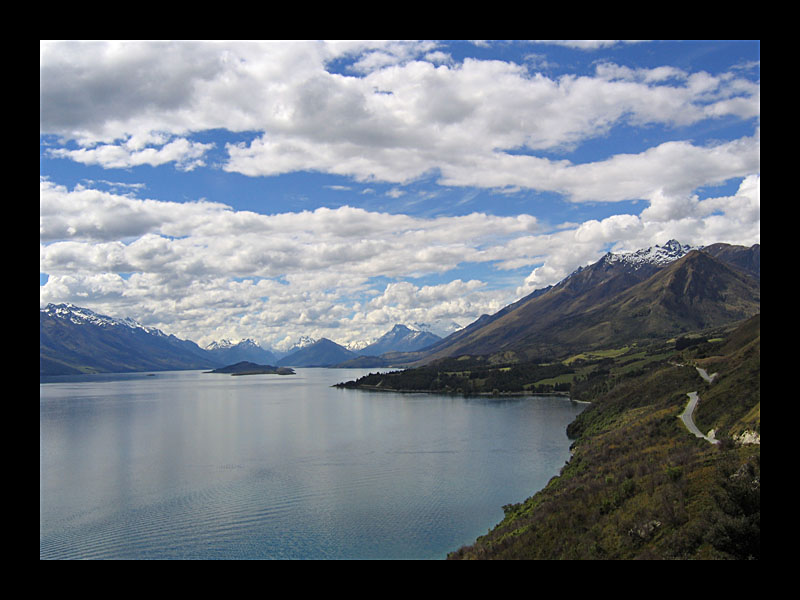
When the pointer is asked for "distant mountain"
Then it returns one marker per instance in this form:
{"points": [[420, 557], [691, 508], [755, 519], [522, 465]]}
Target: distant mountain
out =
{"points": [[75, 340], [618, 299], [747, 260], [439, 327], [400, 339], [302, 342], [322, 353], [358, 345], [228, 352]]}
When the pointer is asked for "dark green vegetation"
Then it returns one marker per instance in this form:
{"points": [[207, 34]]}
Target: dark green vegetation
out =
{"points": [[639, 485], [472, 375], [249, 368]]}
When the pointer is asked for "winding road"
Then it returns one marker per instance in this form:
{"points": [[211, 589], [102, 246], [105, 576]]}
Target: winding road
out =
{"points": [[686, 416]]}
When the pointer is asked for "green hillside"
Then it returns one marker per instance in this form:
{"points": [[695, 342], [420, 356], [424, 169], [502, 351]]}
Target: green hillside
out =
{"points": [[639, 485]]}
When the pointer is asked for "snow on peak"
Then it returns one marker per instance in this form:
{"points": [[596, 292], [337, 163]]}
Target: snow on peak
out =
{"points": [[440, 327], [222, 344], [304, 340], [225, 343], [655, 255], [82, 316], [355, 346]]}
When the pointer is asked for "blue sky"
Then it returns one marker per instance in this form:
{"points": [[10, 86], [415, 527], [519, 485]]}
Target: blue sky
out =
{"points": [[332, 189]]}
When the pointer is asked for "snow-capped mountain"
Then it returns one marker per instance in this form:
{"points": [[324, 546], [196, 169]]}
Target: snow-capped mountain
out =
{"points": [[74, 339], [358, 346], [655, 255], [304, 341], [322, 353], [83, 316], [222, 344], [229, 351], [281, 349], [226, 344], [440, 327], [400, 339], [639, 263], [619, 298]]}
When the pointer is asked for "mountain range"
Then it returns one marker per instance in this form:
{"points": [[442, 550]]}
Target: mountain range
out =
{"points": [[322, 353], [620, 298], [400, 338], [663, 290], [74, 340], [228, 352]]}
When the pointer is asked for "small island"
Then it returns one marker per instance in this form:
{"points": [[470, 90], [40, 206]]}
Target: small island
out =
{"points": [[248, 368]]}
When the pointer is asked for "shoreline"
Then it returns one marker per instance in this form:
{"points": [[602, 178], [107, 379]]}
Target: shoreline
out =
{"points": [[375, 388]]}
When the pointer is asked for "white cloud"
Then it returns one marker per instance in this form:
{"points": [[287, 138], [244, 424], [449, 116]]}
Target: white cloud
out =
{"points": [[587, 44], [395, 119], [201, 269], [309, 268], [86, 213], [185, 154], [611, 71]]}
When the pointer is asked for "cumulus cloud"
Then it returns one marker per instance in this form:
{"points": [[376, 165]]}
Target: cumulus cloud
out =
{"points": [[298, 267], [393, 116], [185, 154], [200, 269], [462, 120], [86, 213]]}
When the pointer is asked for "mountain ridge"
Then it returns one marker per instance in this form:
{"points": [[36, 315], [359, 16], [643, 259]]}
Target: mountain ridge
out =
{"points": [[400, 338], [75, 340], [228, 351], [597, 305], [322, 353]]}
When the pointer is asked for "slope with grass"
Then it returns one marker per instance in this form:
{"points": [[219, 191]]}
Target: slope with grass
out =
{"points": [[639, 485]]}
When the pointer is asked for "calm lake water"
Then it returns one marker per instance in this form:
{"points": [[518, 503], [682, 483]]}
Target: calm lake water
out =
{"points": [[187, 465]]}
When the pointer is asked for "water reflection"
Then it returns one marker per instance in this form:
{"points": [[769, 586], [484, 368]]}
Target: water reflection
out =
{"points": [[192, 465]]}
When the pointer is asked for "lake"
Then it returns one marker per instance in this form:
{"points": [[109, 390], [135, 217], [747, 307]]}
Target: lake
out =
{"points": [[189, 465]]}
